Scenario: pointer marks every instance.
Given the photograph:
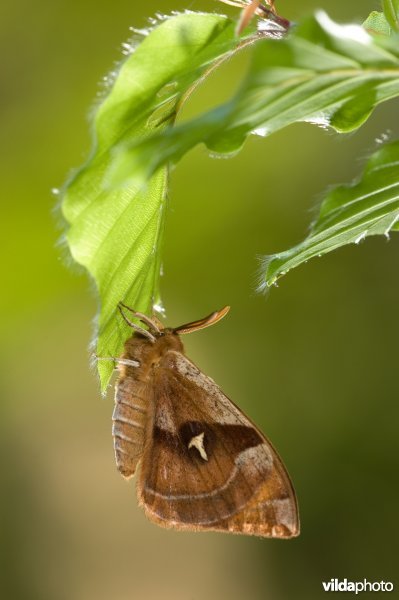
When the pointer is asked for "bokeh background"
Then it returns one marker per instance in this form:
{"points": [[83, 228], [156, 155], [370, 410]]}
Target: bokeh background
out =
{"points": [[314, 363]]}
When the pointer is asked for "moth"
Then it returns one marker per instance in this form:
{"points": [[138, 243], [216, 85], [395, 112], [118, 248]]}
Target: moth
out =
{"points": [[204, 465], [275, 26]]}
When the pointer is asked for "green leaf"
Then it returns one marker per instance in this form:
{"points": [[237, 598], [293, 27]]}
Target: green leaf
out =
{"points": [[376, 23], [391, 12], [348, 215], [323, 73], [117, 233]]}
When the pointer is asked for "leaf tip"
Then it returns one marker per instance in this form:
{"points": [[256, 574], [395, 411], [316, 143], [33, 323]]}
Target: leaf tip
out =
{"points": [[263, 281]]}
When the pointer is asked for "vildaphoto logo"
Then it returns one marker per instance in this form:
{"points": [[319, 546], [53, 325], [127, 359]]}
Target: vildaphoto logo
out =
{"points": [[335, 585]]}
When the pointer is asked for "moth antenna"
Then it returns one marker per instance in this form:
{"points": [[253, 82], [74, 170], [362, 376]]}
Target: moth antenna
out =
{"points": [[202, 323], [137, 328], [154, 323]]}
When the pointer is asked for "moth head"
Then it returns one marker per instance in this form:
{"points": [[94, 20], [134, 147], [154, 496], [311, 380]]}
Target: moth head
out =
{"points": [[157, 330]]}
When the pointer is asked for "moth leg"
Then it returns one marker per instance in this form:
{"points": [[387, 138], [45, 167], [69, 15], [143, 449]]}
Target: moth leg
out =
{"points": [[121, 361], [154, 324], [142, 331]]}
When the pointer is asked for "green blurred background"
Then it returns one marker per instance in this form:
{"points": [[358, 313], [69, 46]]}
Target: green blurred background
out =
{"points": [[314, 363]]}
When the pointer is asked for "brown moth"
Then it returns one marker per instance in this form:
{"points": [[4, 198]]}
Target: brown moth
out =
{"points": [[204, 465], [250, 8]]}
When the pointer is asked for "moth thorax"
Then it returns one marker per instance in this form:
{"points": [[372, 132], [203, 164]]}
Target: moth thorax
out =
{"points": [[169, 341], [145, 351]]}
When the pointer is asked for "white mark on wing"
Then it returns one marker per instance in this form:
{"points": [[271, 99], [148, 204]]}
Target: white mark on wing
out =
{"points": [[198, 442]]}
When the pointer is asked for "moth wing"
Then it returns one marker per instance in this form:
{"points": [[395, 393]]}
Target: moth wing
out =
{"points": [[205, 465]]}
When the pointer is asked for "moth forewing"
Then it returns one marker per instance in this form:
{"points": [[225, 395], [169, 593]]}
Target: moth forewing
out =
{"points": [[205, 465]]}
